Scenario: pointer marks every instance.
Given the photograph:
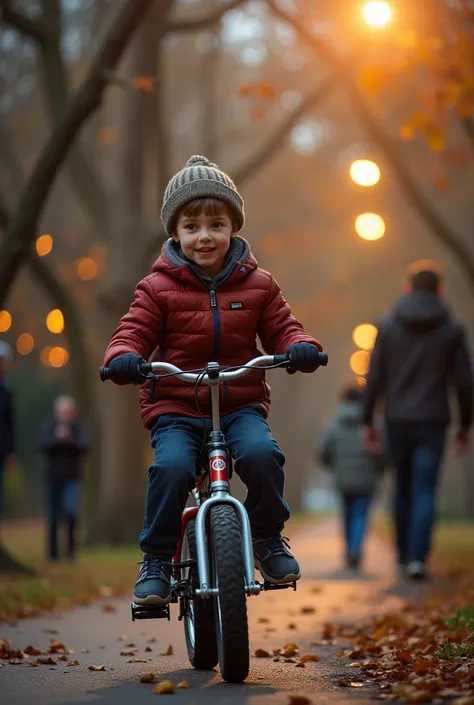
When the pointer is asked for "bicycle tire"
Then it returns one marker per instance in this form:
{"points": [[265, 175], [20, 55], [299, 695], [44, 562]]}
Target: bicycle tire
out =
{"points": [[230, 603], [199, 620]]}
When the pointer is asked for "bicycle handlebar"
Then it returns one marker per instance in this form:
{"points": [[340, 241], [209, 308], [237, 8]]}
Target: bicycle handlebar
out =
{"points": [[263, 361]]}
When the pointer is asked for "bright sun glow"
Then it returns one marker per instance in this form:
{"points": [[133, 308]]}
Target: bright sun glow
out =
{"points": [[365, 172], [377, 14], [370, 226]]}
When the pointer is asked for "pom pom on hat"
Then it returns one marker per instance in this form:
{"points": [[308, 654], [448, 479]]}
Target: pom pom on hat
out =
{"points": [[200, 178]]}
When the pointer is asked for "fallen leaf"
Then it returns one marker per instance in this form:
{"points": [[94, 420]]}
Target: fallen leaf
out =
{"points": [[96, 668], [85, 651], [121, 637], [291, 645], [109, 608], [316, 589], [263, 620], [63, 657], [310, 657], [15, 661], [289, 660], [307, 609], [183, 684], [168, 652], [300, 665], [328, 631], [147, 678], [404, 657], [164, 688], [136, 660], [464, 700], [130, 646], [128, 652], [289, 653], [47, 661], [73, 663], [148, 649], [261, 653], [105, 591], [292, 625], [32, 651], [298, 700]]}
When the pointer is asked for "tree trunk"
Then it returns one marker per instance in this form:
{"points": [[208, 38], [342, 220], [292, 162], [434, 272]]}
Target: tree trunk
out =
{"points": [[125, 439], [10, 566]]}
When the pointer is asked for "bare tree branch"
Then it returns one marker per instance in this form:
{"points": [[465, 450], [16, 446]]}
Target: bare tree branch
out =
{"points": [[270, 148], [21, 22], [90, 188], [203, 22], [342, 74], [21, 231]]}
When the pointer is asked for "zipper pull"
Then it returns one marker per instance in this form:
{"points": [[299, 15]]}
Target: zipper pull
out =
{"points": [[213, 298]]}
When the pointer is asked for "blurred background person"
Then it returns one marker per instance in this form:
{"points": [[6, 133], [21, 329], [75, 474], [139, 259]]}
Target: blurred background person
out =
{"points": [[420, 352], [356, 470], [63, 442], [7, 422]]}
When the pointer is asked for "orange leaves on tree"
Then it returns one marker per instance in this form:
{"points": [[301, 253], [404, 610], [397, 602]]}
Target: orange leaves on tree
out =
{"points": [[143, 83], [262, 90]]}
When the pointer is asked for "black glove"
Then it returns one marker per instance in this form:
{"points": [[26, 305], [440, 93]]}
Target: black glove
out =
{"points": [[124, 368], [303, 356]]}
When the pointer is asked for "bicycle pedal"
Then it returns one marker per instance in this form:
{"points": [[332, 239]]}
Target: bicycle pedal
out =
{"points": [[150, 612], [285, 586]]}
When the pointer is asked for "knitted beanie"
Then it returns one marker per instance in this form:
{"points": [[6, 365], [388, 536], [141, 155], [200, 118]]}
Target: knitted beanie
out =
{"points": [[200, 178]]}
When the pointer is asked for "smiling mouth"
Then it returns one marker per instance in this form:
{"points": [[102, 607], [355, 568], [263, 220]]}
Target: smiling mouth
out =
{"points": [[206, 250]]}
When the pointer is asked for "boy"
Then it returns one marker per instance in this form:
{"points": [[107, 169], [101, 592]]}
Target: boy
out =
{"points": [[206, 299]]}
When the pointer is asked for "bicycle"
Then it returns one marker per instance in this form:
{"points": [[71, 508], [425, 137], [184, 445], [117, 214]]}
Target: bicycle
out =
{"points": [[213, 568]]}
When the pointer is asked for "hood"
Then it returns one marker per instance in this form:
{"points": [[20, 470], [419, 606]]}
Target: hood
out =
{"points": [[421, 311], [349, 413], [174, 262]]}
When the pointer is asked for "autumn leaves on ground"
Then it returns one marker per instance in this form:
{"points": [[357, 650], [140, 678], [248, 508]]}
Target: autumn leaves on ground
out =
{"points": [[390, 641]]}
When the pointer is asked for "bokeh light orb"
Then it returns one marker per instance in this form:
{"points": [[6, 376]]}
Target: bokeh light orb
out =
{"points": [[364, 336], [360, 363], [55, 321], [5, 321], [370, 226], [365, 172], [25, 344], [44, 245], [377, 13]]}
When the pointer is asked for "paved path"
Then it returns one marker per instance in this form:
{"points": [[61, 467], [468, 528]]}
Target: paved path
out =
{"points": [[334, 598]]}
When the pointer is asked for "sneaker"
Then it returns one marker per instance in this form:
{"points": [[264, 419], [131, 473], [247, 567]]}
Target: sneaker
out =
{"points": [[274, 560], [416, 570], [153, 585], [354, 561]]}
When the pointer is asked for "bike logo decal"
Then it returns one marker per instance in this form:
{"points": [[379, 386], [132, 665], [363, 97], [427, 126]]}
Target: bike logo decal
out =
{"points": [[218, 464]]}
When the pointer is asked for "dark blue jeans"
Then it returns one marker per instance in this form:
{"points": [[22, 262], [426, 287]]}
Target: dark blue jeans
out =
{"points": [[417, 451], [355, 513], [177, 441], [62, 502]]}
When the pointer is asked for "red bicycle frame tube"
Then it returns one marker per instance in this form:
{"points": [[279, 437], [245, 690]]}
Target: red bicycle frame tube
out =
{"points": [[189, 513]]}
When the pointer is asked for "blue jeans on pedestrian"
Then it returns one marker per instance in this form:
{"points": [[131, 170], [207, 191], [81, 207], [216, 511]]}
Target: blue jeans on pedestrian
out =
{"points": [[355, 513], [177, 442], [62, 502], [417, 451]]}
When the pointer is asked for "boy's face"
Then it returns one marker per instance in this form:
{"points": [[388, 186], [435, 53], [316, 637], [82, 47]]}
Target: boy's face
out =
{"points": [[205, 239]]}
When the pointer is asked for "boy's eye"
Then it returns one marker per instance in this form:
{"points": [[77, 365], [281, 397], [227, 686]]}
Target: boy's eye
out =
{"points": [[218, 224], [191, 227]]}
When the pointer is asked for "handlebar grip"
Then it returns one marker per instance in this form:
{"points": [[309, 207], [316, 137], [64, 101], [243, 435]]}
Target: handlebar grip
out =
{"points": [[323, 359], [145, 368], [279, 359], [104, 374]]}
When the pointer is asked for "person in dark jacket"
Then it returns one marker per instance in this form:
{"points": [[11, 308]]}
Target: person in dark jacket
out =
{"points": [[356, 470], [7, 422], [63, 442], [420, 352]]}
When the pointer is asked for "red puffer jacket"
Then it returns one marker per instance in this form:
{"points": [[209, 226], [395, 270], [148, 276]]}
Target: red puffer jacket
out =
{"points": [[175, 317]]}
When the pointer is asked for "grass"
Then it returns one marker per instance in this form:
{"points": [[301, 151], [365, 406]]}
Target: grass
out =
{"points": [[462, 620], [98, 573]]}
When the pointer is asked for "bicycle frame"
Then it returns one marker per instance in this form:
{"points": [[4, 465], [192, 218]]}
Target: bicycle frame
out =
{"points": [[219, 486]]}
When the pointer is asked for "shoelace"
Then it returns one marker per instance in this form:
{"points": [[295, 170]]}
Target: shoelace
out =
{"points": [[278, 546], [153, 568]]}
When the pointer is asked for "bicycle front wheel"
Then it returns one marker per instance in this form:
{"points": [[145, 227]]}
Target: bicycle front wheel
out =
{"points": [[230, 603]]}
